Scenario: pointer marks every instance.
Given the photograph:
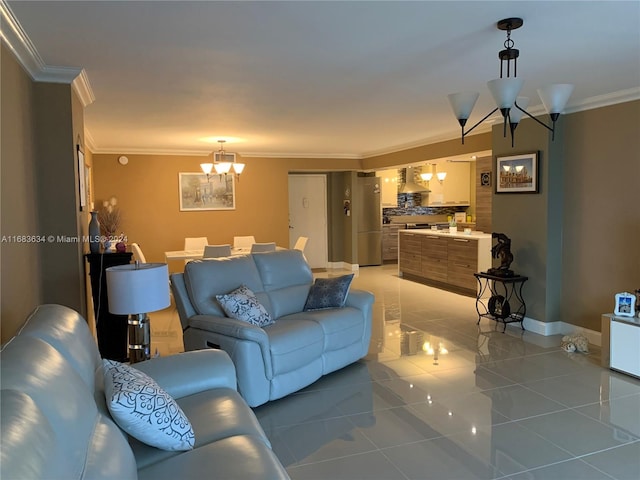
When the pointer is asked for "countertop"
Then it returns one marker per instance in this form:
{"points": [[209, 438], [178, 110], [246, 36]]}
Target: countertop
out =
{"points": [[445, 233]]}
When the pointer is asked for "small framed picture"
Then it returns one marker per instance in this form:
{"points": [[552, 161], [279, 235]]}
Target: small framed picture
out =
{"points": [[625, 305], [517, 173], [485, 179]]}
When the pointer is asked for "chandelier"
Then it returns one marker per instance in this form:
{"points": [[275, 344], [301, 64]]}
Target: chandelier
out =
{"points": [[223, 163], [505, 92]]}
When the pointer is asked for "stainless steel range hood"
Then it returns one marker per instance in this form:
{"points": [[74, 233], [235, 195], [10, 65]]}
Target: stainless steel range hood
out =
{"points": [[409, 186]]}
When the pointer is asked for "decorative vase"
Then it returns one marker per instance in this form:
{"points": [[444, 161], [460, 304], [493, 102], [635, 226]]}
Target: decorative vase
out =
{"points": [[453, 229], [94, 233]]}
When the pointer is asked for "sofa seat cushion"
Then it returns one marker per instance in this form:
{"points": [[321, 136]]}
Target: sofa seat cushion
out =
{"points": [[294, 343], [340, 326], [238, 457], [214, 414]]}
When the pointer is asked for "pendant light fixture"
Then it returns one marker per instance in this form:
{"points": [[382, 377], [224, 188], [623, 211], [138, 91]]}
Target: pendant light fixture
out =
{"points": [[505, 92], [221, 163]]}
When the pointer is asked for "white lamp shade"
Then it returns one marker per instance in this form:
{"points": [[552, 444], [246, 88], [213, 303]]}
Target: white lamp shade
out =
{"points": [[555, 97], [462, 103], [515, 115], [238, 167], [441, 175], [206, 167], [505, 91], [134, 290], [222, 167], [426, 176]]}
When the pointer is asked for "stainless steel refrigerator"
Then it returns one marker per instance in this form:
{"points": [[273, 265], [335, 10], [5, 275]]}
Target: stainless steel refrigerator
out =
{"points": [[368, 213]]}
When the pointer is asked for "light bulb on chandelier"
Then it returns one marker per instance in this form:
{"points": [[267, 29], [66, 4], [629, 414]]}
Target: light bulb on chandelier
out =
{"points": [[223, 163]]}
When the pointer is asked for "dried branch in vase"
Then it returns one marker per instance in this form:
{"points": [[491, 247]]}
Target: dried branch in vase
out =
{"points": [[109, 217]]}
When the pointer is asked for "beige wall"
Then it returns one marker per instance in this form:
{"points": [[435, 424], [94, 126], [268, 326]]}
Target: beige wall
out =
{"points": [[449, 148], [20, 277], [147, 192], [41, 123], [576, 240], [601, 235]]}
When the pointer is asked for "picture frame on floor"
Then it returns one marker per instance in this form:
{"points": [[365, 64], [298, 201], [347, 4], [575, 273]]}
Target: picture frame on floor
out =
{"points": [[517, 173]]}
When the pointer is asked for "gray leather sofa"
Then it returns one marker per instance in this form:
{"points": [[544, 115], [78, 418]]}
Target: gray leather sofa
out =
{"points": [[295, 351], [56, 425]]}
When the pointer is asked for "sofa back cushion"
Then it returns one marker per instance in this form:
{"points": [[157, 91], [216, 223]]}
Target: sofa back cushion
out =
{"points": [[65, 330], [36, 369], [286, 277], [205, 279]]}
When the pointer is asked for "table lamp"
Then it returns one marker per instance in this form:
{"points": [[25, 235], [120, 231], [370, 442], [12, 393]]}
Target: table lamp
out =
{"points": [[135, 290]]}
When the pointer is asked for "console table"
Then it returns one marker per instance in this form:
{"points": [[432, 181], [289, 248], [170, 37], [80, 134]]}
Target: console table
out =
{"points": [[506, 303], [111, 329]]}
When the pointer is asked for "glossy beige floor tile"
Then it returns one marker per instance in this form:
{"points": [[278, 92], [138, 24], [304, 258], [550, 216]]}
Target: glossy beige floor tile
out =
{"points": [[440, 397]]}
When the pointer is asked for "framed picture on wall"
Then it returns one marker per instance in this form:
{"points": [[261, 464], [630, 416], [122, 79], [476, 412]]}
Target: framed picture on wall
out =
{"points": [[517, 173], [198, 193], [82, 187]]}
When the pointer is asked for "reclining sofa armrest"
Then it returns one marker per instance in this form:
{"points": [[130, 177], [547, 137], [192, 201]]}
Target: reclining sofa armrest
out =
{"points": [[191, 372], [237, 329], [360, 299]]}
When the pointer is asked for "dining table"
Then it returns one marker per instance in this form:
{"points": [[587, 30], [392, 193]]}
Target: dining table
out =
{"points": [[198, 254]]}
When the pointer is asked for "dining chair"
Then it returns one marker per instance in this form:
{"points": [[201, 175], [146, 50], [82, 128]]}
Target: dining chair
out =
{"points": [[263, 247], [137, 253], [301, 243], [243, 242], [195, 243], [215, 251]]}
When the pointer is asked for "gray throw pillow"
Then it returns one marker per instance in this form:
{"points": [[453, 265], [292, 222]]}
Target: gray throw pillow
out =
{"points": [[242, 304], [328, 292]]}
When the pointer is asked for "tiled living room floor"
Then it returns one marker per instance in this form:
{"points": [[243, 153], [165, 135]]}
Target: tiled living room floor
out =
{"points": [[439, 397]]}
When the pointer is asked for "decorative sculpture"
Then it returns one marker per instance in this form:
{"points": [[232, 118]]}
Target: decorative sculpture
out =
{"points": [[502, 250]]}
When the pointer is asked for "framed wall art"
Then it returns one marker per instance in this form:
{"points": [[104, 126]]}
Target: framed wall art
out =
{"points": [[198, 193], [82, 186], [517, 173]]}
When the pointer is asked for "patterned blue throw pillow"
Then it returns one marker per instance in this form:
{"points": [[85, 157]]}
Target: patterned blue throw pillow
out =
{"points": [[328, 293], [144, 410], [242, 304]]}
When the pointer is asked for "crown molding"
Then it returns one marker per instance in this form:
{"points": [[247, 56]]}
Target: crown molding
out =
{"points": [[25, 52], [89, 143], [148, 151], [340, 156], [621, 96], [83, 88]]}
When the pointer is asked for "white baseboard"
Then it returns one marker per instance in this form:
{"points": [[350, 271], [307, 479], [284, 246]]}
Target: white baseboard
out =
{"points": [[561, 328], [354, 267]]}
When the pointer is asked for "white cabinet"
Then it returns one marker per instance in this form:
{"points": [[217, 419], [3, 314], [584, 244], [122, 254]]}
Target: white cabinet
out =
{"points": [[625, 345], [389, 187], [454, 190]]}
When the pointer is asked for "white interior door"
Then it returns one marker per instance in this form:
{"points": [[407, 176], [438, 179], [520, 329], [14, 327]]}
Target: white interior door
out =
{"points": [[308, 216]]}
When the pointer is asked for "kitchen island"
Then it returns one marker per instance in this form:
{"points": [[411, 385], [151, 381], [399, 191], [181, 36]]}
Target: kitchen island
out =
{"points": [[442, 259]]}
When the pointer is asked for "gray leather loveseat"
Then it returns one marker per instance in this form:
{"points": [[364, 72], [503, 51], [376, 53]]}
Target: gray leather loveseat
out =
{"points": [[56, 425], [287, 355]]}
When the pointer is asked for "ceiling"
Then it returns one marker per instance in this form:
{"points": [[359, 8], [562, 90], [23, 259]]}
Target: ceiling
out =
{"points": [[327, 78]]}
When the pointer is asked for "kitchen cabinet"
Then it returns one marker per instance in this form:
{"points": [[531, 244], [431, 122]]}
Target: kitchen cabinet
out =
{"points": [[462, 261], [455, 189], [410, 252], [434, 257], [389, 187], [390, 242], [444, 259]]}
